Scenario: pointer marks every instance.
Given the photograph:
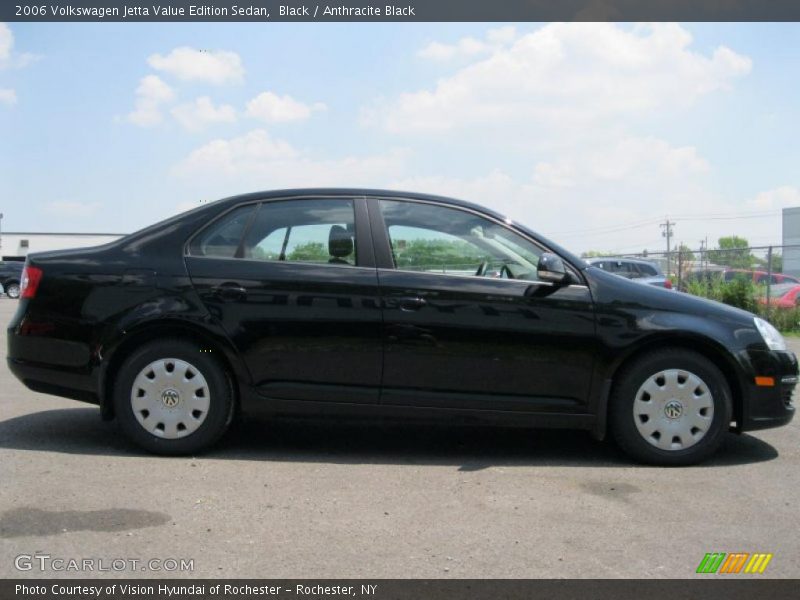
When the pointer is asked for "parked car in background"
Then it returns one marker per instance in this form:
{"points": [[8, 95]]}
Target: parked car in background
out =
{"points": [[723, 274], [782, 295], [758, 277], [639, 270], [10, 277], [343, 302]]}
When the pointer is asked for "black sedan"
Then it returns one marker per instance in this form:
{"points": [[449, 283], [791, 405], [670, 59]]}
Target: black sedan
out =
{"points": [[10, 276], [366, 302]]}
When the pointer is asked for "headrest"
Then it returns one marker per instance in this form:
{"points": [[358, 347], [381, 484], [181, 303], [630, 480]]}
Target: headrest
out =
{"points": [[340, 242]]}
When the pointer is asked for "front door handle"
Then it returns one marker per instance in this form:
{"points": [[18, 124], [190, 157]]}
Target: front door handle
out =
{"points": [[229, 291], [411, 304]]}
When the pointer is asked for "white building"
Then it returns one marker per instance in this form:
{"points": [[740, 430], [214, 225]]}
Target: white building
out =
{"points": [[791, 237], [16, 245]]}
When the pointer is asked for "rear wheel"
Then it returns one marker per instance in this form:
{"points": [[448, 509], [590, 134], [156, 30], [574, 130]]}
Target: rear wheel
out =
{"points": [[670, 407], [171, 398], [12, 290]]}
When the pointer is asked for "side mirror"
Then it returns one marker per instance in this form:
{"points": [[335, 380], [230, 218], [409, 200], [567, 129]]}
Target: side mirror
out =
{"points": [[551, 268]]}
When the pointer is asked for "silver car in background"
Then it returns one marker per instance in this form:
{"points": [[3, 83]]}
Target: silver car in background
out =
{"points": [[639, 270]]}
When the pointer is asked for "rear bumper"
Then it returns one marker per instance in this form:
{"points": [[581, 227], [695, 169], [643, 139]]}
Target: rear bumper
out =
{"points": [[767, 406], [50, 380]]}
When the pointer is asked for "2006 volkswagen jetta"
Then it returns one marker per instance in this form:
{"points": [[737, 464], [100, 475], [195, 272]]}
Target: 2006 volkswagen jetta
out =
{"points": [[367, 302]]}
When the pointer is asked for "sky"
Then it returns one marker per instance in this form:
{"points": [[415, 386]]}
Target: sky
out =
{"points": [[590, 133]]}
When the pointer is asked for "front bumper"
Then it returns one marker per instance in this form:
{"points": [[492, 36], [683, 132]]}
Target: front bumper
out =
{"points": [[767, 406]]}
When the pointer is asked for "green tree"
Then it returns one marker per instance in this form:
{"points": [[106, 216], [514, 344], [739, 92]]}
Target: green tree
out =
{"points": [[310, 251], [686, 253], [595, 253], [432, 254], [777, 262], [733, 251]]}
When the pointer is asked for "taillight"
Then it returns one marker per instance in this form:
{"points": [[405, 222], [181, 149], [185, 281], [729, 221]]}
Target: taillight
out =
{"points": [[668, 284], [31, 276]]}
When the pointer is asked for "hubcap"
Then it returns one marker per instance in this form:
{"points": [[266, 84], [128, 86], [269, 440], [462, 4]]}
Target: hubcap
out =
{"points": [[673, 409], [170, 398]]}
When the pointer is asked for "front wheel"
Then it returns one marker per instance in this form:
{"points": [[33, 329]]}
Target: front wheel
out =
{"points": [[171, 398], [670, 407], [12, 290]]}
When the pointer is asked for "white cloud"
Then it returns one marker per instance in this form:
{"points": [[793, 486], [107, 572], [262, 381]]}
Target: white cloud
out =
{"points": [[567, 72], [8, 96], [271, 108], [6, 43], [468, 47], [195, 116], [256, 160], [633, 157], [550, 174], [9, 58], [188, 64], [783, 197], [150, 95], [68, 209], [588, 197]]}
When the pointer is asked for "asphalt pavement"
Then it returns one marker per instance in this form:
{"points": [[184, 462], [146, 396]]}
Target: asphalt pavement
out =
{"points": [[321, 499]]}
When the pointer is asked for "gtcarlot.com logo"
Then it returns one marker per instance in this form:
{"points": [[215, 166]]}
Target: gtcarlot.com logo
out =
{"points": [[733, 563], [40, 561]]}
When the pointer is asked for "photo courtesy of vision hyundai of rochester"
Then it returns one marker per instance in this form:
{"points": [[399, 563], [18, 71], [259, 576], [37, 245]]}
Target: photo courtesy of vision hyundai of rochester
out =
{"points": [[349, 302]]}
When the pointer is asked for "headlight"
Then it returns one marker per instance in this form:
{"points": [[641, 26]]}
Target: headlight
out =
{"points": [[772, 337]]}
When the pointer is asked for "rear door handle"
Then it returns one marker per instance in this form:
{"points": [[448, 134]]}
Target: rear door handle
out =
{"points": [[229, 291]]}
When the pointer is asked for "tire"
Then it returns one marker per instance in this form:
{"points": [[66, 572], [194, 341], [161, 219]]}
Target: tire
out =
{"points": [[12, 290], [670, 407], [170, 398]]}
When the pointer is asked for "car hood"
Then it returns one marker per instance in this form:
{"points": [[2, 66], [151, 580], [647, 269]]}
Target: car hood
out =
{"points": [[613, 289]]}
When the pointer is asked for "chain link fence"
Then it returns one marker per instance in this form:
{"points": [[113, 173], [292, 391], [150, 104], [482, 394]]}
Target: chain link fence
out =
{"points": [[757, 278], [765, 262]]}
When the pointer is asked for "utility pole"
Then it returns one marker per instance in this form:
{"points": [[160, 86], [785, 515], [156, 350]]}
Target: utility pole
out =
{"points": [[702, 253], [666, 232]]}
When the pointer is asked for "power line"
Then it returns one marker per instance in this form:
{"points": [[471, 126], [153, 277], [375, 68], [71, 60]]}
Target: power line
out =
{"points": [[697, 217]]}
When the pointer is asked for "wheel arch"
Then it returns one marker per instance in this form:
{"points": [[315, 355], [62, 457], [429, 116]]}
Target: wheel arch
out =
{"points": [[707, 347], [220, 349]]}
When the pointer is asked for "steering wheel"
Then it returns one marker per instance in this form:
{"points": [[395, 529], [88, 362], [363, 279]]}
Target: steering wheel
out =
{"points": [[506, 273], [482, 268]]}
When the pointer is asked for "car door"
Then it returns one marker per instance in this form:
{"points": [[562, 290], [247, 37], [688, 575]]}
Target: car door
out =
{"points": [[293, 284], [467, 323]]}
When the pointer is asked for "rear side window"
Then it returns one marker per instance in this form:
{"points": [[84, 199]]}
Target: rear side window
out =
{"points": [[310, 231], [221, 239]]}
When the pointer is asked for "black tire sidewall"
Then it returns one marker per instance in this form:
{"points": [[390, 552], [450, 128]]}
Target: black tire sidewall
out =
{"points": [[220, 408], [630, 380]]}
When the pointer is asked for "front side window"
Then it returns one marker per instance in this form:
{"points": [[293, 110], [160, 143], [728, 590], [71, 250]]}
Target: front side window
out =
{"points": [[310, 231], [429, 238]]}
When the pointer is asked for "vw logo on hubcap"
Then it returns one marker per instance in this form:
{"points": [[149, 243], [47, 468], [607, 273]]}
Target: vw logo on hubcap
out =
{"points": [[673, 409], [170, 398]]}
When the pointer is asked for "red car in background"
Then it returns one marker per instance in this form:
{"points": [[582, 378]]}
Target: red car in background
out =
{"points": [[782, 295], [758, 276]]}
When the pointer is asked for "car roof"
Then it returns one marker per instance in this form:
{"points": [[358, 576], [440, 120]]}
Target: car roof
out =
{"points": [[369, 193]]}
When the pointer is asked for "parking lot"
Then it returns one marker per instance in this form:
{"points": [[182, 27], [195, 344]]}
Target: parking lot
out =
{"points": [[295, 499]]}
